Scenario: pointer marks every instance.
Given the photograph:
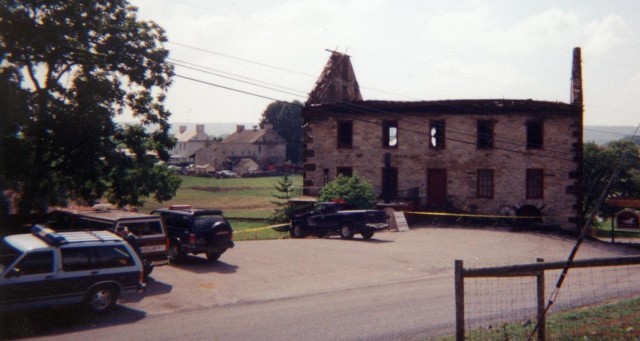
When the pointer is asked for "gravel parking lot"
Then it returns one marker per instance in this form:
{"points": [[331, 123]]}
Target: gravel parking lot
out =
{"points": [[275, 269]]}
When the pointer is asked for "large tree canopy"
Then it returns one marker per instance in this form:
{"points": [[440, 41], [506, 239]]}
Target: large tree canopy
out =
{"points": [[599, 166], [287, 122], [69, 67]]}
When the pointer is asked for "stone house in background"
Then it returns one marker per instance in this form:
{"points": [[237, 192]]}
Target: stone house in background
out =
{"points": [[263, 146], [478, 156], [189, 141]]}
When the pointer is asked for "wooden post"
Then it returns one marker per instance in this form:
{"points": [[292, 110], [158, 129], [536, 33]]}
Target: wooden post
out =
{"points": [[541, 304], [459, 284], [613, 232]]}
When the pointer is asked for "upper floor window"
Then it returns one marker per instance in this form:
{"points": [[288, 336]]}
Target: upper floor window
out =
{"points": [[345, 134], [437, 134], [534, 134], [535, 184], [485, 134], [390, 134]]}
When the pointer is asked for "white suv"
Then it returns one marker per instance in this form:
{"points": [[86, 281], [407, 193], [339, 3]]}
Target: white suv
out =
{"points": [[48, 268]]}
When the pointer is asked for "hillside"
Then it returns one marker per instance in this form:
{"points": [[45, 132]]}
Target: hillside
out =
{"points": [[605, 134]]}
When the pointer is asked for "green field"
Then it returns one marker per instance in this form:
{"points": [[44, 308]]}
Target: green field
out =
{"points": [[245, 201]]}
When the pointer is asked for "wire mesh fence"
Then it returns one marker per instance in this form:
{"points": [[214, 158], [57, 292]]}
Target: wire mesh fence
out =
{"points": [[495, 299]]}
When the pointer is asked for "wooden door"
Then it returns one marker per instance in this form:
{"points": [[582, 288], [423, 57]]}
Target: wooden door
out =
{"points": [[436, 187]]}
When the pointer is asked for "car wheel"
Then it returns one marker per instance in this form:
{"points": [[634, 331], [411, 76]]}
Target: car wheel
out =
{"points": [[176, 256], [297, 231], [346, 232], [367, 234], [213, 256], [101, 299]]}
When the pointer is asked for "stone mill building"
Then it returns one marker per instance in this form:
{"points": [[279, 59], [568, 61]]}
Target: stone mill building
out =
{"points": [[480, 156]]}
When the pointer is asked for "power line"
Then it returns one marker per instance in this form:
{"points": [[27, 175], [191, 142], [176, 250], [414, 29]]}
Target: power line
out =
{"points": [[237, 80]]}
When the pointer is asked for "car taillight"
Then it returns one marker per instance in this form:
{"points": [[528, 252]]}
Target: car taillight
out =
{"points": [[192, 239], [231, 235]]}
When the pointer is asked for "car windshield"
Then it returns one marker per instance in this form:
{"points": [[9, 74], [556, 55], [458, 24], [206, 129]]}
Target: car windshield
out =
{"points": [[205, 222], [7, 255]]}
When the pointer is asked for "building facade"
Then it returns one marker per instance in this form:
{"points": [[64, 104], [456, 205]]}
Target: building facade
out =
{"points": [[263, 146], [477, 156], [188, 142]]}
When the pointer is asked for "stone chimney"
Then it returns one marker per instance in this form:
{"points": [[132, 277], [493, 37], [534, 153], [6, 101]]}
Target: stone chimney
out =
{"points": [[576, 78], [239, 128], [183, 129], [199, 128]]}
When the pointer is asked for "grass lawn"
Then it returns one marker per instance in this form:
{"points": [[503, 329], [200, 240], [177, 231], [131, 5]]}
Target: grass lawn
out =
{"points": [[615, 321], [237, 197]]}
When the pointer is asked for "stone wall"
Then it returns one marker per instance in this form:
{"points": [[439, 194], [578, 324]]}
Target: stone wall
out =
{"points": [[509, 158]]}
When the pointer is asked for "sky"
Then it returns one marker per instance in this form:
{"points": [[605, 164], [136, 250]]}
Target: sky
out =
{"points": [[233, 58]]}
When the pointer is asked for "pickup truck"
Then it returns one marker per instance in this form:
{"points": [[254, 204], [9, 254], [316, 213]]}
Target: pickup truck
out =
{"points": [[327, 217]]}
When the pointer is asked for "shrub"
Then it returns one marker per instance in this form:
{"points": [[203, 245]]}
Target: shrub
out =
{"points": [[353, 190]]}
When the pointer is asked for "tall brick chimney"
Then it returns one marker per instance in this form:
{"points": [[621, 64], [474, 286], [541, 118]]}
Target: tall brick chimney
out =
{"points": [[576, 78], [239, 128]]}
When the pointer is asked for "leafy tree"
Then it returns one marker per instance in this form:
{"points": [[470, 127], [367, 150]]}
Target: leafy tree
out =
{"points": [[69, 68], [599, 165], [287, 122], [354, 190]]}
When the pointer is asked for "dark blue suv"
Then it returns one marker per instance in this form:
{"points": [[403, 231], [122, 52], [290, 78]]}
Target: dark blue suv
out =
{"points": [[196, 231]]}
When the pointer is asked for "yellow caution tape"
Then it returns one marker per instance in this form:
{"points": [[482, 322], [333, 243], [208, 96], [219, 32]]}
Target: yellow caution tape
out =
{"points": [[472, 215], [261, 228], [442, 214]]}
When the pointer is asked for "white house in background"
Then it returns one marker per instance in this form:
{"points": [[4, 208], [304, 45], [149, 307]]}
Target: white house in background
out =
{"points": [[189, 141], [263, 146]]}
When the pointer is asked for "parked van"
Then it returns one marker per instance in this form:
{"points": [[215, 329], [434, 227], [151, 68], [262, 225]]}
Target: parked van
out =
{"points": [[149, 229]]}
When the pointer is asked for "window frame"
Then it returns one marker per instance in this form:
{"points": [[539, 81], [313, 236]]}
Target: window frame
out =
{"points": [[342, 137], [387, 125], [485, 185]]}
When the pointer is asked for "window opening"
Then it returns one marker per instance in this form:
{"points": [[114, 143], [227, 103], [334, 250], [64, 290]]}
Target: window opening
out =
{"points": [[534, 135], [345, 134], [390, 134], [485, 134], [437, 134]]}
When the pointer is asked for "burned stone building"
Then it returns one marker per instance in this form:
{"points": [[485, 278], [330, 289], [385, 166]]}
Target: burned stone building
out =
{"points": [[479, 156]]}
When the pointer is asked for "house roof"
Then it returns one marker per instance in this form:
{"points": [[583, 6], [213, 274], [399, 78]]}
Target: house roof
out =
{"points": [[250, 136], [196, 134], [245, 136], [466, 107]]}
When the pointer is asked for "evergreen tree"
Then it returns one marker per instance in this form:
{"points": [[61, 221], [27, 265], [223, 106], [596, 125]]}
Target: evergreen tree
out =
{"points": [[283, 197]]}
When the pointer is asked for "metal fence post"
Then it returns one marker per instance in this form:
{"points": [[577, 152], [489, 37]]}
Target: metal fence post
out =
{"points": [[459, 280]]}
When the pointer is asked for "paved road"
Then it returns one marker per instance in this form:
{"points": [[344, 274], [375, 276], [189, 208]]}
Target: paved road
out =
{"points": [[395, 286]]}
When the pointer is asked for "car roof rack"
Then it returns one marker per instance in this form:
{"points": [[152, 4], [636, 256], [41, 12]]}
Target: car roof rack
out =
{"points": [[61, 238]]}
